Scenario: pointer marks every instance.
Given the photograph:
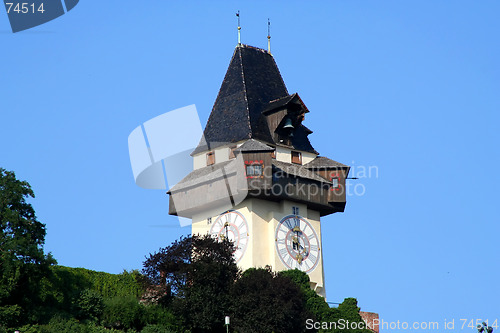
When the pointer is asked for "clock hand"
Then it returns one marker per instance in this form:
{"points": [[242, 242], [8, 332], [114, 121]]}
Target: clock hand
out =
{"points": [[296, 241], [297, 245], [226, 226], [299, 258]]}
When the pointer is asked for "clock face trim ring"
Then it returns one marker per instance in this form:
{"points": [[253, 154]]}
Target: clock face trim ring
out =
{"points": [[297, 243], [233, 225]]}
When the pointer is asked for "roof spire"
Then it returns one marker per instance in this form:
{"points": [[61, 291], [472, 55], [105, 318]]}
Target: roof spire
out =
{"points": [[268, 36], [239, 28]]}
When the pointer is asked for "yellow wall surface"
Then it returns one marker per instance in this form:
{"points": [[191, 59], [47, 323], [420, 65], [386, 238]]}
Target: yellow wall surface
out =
{"points": [[262, 218]]}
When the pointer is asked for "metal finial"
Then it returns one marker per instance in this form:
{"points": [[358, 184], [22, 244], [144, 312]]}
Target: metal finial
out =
{"points": [[268, 36], [239, 28]]}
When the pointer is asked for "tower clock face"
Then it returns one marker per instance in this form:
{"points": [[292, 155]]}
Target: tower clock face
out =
{"points": [[297, 244], [232, 225]]}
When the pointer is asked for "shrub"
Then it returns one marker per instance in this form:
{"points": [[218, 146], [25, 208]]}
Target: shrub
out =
{"points": [[155, 329], [123, 312], [9, 315], [69, 279], [90, 305], [159, 315], [27, 329], [59, 325]]}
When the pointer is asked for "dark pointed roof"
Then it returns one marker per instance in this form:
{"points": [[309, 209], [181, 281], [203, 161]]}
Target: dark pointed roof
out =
{"points": [[251, 82]]}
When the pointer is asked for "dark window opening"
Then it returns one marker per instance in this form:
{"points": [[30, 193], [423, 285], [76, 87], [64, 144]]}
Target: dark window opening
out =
{"points": [[210, 158], [296, 157]]}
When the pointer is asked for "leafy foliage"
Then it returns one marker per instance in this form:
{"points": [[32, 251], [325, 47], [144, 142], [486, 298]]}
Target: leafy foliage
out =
{"points": [[194, 275], [123, 312], [69, 279], [61, 291], [156, 329], [61, 325], [197, 278], [90, 305], [160, 316], [37, 296], [166, 270], [22, 261], [317, 307], [319, 310], [264, 301]]}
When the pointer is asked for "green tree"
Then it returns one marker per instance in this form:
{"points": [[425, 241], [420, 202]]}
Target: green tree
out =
{"points": [[90, 305], [166, 270], [194, 276], [263, 301], [316, 305], [22, 260], [320, 311]]}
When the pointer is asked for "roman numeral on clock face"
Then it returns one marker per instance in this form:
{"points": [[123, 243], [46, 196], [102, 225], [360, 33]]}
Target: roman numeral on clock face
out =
{"points": [[241, 225], [289, 261], [312, 257]]}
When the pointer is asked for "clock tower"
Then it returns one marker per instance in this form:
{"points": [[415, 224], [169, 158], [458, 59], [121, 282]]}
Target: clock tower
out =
{"points": [[257, 180]]}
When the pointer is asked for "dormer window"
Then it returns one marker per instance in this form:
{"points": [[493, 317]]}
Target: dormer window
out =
{"points": [[254, 170], [296, 157], [210, 158]]}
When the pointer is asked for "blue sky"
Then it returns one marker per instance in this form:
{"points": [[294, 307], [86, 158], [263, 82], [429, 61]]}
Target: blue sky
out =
{"points": [[409, 87]]}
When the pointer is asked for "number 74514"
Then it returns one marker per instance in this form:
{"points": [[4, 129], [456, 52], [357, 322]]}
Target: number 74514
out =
{"points": [[24, 8]]}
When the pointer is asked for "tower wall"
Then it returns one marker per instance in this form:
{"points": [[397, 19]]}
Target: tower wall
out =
{"points": [[263, 217]]}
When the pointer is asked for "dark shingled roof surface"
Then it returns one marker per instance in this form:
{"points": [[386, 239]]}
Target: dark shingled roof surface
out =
{"points": [[253, 145], [280, 102], [214, 172], [321, 162], [298, 170], [283, 101], [251, 82], [205, 174]]}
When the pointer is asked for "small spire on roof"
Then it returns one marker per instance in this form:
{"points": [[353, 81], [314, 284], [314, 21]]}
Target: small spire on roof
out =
{"points": [[239, 28], [268, 36]]}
